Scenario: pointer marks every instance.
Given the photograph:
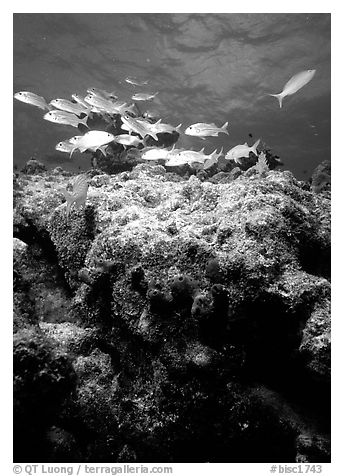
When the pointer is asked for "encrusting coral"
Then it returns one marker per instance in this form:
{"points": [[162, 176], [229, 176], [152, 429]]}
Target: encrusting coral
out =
{"points": [[195, 323]]}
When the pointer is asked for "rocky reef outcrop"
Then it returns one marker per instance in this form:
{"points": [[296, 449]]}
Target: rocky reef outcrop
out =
{"points": [[172, 319]]}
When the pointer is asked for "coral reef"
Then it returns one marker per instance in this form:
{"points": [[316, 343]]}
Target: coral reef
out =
{"points": [[175, 319], [321, 177], [33, 166]]}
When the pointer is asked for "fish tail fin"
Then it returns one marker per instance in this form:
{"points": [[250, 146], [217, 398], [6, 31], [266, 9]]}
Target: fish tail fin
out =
{"points": [[213, 154], [69, 200], [103, 149], [84, 121], [279, 97], [178, 128], [224, 128], [218, 154], [254, 147]]}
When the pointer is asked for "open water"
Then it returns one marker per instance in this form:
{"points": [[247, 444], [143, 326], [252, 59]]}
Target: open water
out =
{"points": [[206, 68]]}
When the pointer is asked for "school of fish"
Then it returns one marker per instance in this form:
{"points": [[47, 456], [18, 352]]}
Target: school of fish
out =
{"points": [[77, 110]]}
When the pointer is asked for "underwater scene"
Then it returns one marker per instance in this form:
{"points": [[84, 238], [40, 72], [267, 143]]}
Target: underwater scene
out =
{"points": [[172, 237]]}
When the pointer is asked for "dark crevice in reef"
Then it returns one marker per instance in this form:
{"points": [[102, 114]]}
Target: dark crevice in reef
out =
{"points": [[270, 337], [42, 250], [29, 234], [316, 259]]}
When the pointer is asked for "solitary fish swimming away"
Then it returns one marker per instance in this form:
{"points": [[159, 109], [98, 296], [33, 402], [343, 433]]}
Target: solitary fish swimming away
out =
{"points": [[202, 130], [33, 99], [241, 150], [143, 96], [66, 118], [294, 84], [78, 194]]}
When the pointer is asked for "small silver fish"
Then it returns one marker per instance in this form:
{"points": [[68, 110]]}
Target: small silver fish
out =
{"points": [[151, 114], [33, 99], [212, 159], [294, 84], [65, 146], [201, 129], [139, 126], [186, 157], [77, 98], [69, 106], [78, 194], [241, 150], [127, 139], [160, 127], [66, 118], [143, 96], [68, 146], [102, 93], [106, 105], [92, 140], [135, 82], [155, 153]]}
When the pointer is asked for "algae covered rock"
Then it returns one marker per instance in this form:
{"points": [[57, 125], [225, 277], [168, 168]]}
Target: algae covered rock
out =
{"points": [[197, 314], [43, 380], [33, 166], [321, 177]]}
